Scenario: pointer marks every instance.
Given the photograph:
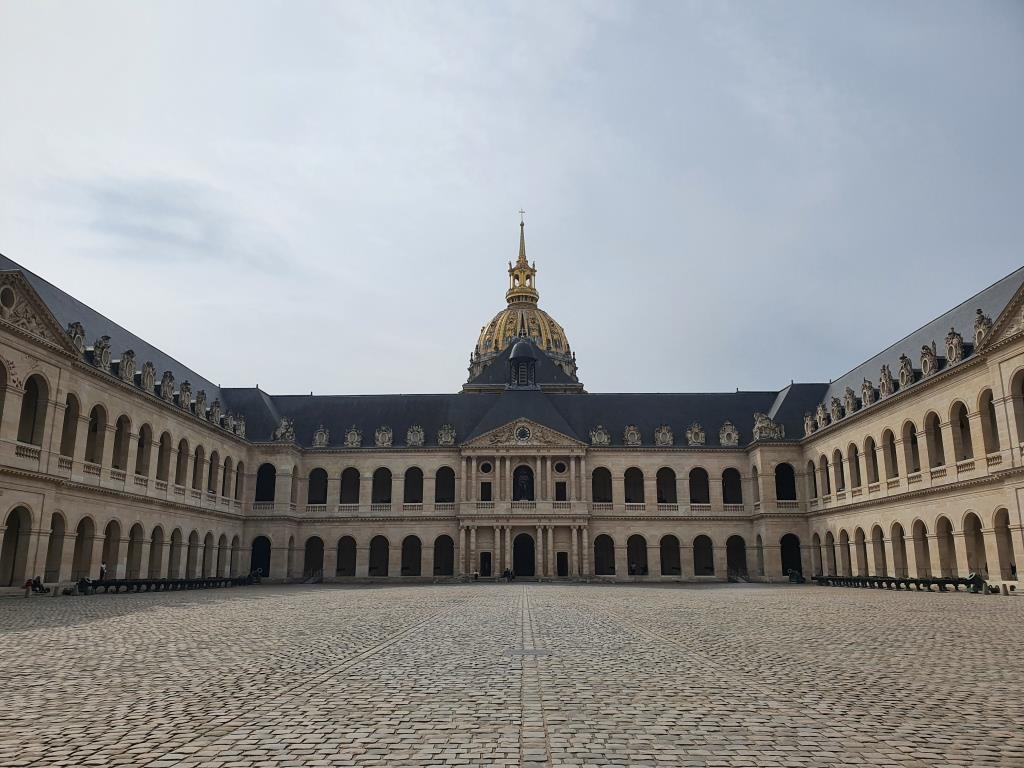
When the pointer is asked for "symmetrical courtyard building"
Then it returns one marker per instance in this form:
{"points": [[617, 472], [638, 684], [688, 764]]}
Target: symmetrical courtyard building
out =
{"points": [[113, 452]]}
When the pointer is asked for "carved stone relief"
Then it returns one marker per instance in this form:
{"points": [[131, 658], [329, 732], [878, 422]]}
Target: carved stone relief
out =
{"points": [[167, 386], [695, 434], [663, 436], [77, 335], [982, 327], [867, 392], [101, 353], [382, 437], [354, 437], [906, 372], [821, 416], [850, 403], [766, 428], [126, 366], [929, 360], [886, 385], [835, 409], [446, 435], [148, 377], [728, 435], [285, 431], [631, 435], [600, 436], [954, 347], [322, 437], [414, 436]]}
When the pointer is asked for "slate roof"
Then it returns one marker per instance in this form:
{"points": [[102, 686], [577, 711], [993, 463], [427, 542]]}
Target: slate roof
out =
{"points": [[546, 373], [67, 309], [991, 301]]}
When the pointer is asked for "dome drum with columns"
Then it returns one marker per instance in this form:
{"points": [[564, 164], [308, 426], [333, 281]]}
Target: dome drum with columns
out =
{"points": [[522, 317]]}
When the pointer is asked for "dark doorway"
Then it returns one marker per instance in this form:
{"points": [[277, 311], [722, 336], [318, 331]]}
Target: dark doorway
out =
{"points": [[259, 562], [636, 555], [562, 563], [604, 555], [561, 491], [485, 563], [346, 556], [522, 555], [313, 565], [485, 491], [378, 556], [736, 557], [670, 565], [411, 551], [444, 556], [522, 484], [703, 557], [789, 548]]}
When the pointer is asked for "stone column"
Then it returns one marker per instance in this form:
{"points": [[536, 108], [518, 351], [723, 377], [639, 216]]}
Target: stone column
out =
{"points": [[571, 493], [618, 492], [586, 551], [933, 554], [869, 558], [772, 562], [538, 553], [654, 559], [621, 560], [117, 570], [363, 560], [67, 557], [162, 559], [650, 490], [473, 565], [330, 560], [573, 555], [1017, 548], [496, 552], [81, 438], [427, 560], [551, 550], [960, 546], [333, 490], [686, 559], [429, 492], [108, 450], [474, 488], [977, 439], [144, 549], [460, 553], [890, 557], [365, 490], [584, 481], [995, 572], [508, 546], [862, 468]]}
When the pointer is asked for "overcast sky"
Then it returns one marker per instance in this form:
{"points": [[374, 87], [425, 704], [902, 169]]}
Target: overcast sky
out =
{"points": [[323, 196]]}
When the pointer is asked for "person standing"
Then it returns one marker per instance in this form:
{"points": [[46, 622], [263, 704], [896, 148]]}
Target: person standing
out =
{"points": [[103, 570]]}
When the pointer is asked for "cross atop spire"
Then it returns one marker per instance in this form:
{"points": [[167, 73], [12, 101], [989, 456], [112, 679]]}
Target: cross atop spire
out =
{"points": [[522, 275], [522, 238]]}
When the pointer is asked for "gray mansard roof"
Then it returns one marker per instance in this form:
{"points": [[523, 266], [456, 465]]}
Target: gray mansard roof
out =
{"points": [[990, 301], [558, 401], [67, 309]]}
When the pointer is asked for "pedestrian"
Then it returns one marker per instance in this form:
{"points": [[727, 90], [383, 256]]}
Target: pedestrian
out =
{"points": [[103, 570]]}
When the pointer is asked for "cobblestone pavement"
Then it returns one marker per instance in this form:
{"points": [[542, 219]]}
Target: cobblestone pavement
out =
{"points": [[510, 675]]}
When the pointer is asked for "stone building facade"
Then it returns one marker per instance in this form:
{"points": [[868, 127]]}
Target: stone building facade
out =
{"points": [[113, 452]]}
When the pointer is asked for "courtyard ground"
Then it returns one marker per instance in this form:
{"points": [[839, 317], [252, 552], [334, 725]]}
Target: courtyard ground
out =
{"points": [[537, 675]]}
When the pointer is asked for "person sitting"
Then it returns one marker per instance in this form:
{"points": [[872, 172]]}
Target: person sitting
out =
{"points": [[38, 587]]}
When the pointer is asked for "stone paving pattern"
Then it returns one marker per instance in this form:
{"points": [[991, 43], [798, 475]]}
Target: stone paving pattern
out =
{"points": [[510, 675]]}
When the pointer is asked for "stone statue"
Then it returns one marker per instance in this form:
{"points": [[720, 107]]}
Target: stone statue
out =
{"points": [[185, 396], [821, 416], [982, 327], [126, 366], [354, 437], [929, 360], [906, 372], [766, 428], [382, 437], [215, 412], [867, 392], [285, 431], [446, 435], [414, 436], [954, 347], [885, 382], [835, 409], [850, 400], [101, 353], [167, 386], [201, 403], [728, 435], [599, 436], [631, 435], [148, 377], [809, 425], [663, 436], [695, 434], [322, 437]]}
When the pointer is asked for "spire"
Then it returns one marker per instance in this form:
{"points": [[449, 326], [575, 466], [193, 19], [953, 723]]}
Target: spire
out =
{"points": [[522, 238], [522, 275]]}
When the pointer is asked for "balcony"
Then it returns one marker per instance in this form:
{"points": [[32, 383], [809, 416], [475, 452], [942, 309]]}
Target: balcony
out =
{"points": [[700, 509], [602, 506], [141, 481], [734, 508], [891, 483], [993, 460], [787, 504], [636, 506], [913, 478], [382, 507], [444, 506], [668, 508], [64, 463], [484, 506], [315, 509], [89, 468], [937, 473], [413, 507], [561, 506], [27, 451], [522, 506], [967, 465], [873, 487]]}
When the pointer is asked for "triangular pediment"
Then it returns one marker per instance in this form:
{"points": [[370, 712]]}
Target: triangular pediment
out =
{"points": [[22, 309], [1008, 324], [522, 433]]}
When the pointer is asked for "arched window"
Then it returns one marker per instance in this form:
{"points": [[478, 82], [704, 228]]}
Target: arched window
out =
{"points": [[666, 481], [700, 490], [892, 464], [853, 462], [381, 491], [989, 425], [785, 482], [444, 487], [703, 557], [636, 555], [69, 431], [812, 480], [837, 469], [266, 481], [826, 482], [181, 468], [933, 433], [350, 486], [911, 453], [33, 411], [601, 486], [239, 481], [122, 435], [755, 483], [316, 493], [164, 458], [198, 463], [97, 435], [211, 472], [227, 485], [413, 491], [963, 446], [871, 459], [732, 486], [143, 450], [634, 486], [1017, 398]]}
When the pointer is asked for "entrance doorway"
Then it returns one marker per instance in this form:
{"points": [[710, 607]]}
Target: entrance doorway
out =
{"points": [[562, 563], [485, 563], [522, 484], [522, 555]]}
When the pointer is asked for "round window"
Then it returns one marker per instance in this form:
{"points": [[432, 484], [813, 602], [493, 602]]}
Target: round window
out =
{"points": [[485, 468], [7, 297], [560, 467], [523, 433]]}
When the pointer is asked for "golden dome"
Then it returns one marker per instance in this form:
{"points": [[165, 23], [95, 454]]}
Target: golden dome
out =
{"points": [[522, 316]]}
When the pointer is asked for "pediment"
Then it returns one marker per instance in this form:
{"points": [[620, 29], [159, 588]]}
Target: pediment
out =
{"points": [[522, 433], [1009, 323], [22, 309]]}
